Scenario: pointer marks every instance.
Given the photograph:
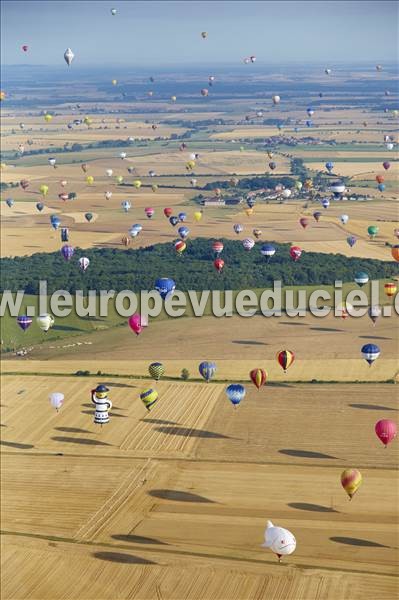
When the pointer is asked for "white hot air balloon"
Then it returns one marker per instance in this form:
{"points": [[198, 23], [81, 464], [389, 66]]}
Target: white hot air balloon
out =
{"points": [[248, 244], [123, 155], [279, 540], [276, 99], [45, 321], [109, 172], [286, 193], [52, 161], [56, 400], [389, 146], [108, 195], [344, 219], [83, 263], [68, 56], [193, 156]]}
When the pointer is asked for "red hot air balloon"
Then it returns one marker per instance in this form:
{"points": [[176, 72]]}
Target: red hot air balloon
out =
{"points": [[380, 178], [63, 197], [258, 377], [217, 247], [295, 253], [304, 222], [167, 212], [386, 431], [24, 183], [218, 264], [285, 358], [135, 323]]}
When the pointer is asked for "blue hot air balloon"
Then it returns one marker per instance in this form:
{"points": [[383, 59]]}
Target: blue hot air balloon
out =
{"points": [[207, 370], [329, 166], [381, 187], [238, 228], [40, 206], [173, 221], [182, 216], [361, 278], [309, 123], [184, 232], [351, 240], [235, 393], [126, 205], [268, 250], [325, 203], [10, 202], [67, 252], [310, 111], [24, 322], [55, 222], [251, 202], [370, 352], [165, 286]]}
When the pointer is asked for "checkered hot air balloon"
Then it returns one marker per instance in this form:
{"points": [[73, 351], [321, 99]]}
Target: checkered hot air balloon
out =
{"points": [[156, 370]]}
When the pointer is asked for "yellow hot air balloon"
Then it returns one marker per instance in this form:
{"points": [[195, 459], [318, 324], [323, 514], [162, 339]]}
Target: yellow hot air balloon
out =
{"points": [[90, 180], [249, 211], [154, 187], [190, 165], [308, 184], [48, 117], [114, 82], [395, 112], [119, 179], [2, 95], [149, 397], [88, 121], [173, 98], [137, 184], [43, 189], [2, 166], [198, 215], [351, 480]]}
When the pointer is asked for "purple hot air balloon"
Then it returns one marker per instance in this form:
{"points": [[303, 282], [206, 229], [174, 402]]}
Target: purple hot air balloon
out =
{"points": [[67, 252], [351, 240], [386, 165], [24, 322]]}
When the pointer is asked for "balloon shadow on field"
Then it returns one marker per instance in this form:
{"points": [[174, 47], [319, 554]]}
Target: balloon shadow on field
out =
{"points": [[179, 496], [372, 407], [305, 454], [357, 542], [159, 422], [373, 337], [249, 343], [289, 323], [118, 385], [17, 445], [123, 558], [72, 430], [62, 438], [186, 431], [311, 507], [327, 329], [137, 539]]}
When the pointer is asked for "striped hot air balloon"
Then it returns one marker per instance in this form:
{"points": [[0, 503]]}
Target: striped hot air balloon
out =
{"points": [[24, 322], [207, 370], [258, 377], [351, 480], [370, 352], [390, 289], [285, 358], [148, 398], [156, 370]]}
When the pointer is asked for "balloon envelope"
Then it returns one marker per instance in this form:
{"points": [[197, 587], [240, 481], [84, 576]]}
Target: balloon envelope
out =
{"points": [[207, 370], [351, 480], [280, 541], [165, 286], [386, 430], [235, 393], [56, 400], [258, 377]]}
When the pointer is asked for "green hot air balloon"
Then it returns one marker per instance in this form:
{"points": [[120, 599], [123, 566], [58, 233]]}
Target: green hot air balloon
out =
{"points": [[156, 370], [372, 230]]}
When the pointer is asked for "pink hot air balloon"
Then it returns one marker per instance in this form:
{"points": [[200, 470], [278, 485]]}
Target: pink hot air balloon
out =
{"points": [[135, 323], [149, 211], [386, 431]]}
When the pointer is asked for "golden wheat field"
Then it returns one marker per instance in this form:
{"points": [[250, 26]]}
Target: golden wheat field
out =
{"points": [[188, 489]]}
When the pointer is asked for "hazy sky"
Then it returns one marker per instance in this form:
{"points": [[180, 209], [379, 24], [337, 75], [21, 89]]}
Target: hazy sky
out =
{"points": [[161, 33]]}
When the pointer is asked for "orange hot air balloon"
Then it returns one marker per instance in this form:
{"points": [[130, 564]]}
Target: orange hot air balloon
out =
{"points": [[258, 377], [167, 212], [390, 289], [218, 264], [395, 252], [285, 358], [351, 480], [125, 240], [380, 178]]}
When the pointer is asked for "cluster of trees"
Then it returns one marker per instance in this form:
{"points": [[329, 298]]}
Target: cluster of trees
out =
{"points": [[253, 183], [137, 269]]}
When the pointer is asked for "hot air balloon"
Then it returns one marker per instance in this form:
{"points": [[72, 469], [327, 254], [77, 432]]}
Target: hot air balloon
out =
{"points": [[125, 204], [135, 323], [295, 253], [43, 189], [351, 240], [119, 179], [386, 165], [67, 252], [114, 81], [372, 230], [135, 230], [325, 203], [344, 219], [68, 56], [90, 180], [173, 98], [25, 48], [113, 11], [248, 244], [258, 377], [310, 111], [379, 178], [370, 352], [374, 312], [99, 397], [257, 233], [45, 321], [268, 250], [88, 216], [207, 370], [327, 71], [108, 195], [337, 188], [251, 202], [40, 206], [55, 222], [198, 216], [218, 263], [24, 183], [56, 400], [276, 99], [125, 240], [390, 289], [361, 278], [64, 197], [298, 185], [381, 187], [167, 212], [235, 393], [182, 216], [83, 263], [351, 480], [156, 370], [137, 184], [63, 183], [329, 166], [154, 187], [24, 322], [386, 431], [286, 194], [149, 398], [217, 247], [149, 212], [48, 117], [109, 172], [180, 246], [204, 92], [165, 286], [279, 540], [10, 202], [304, 222], [238, 228], [204, 34], [395, 252], [309, 123], [285, 358], [272, 165], [173, 221]]}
